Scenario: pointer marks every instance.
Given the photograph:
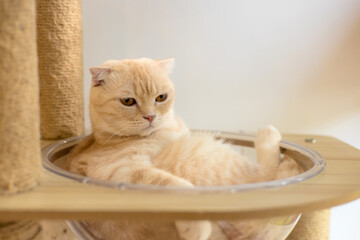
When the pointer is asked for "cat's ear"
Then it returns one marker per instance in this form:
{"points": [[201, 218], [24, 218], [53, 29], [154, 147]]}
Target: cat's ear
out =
{"points": [[166, 65], [98, 75]]}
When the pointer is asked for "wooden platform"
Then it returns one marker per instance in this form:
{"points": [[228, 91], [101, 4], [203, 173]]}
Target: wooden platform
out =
{"points": [[60, 198]]}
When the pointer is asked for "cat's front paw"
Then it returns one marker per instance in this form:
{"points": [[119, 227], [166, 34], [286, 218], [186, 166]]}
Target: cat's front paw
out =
{"points": [[267, 137], [193, 230]]}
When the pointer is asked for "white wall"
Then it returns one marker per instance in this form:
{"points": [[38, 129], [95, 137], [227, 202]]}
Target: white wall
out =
{"points": [[244, 64]]}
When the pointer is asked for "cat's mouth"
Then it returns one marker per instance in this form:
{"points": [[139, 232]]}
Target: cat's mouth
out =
{"points": [[150, 126], [148, 130]]}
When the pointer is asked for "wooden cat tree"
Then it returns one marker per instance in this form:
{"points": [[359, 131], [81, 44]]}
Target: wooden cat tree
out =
{"points": [[42, 42]]}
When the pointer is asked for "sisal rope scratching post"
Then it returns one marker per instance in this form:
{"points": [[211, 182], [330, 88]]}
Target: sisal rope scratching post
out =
{"points": [[19, 109], [312, 226], [60, 68]]}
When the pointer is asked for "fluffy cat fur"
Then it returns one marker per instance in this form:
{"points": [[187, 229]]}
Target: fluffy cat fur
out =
{"points": [[146, 143]]}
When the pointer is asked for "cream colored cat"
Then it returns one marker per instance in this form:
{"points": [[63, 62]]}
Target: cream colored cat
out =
{"points": [[137, 138]]}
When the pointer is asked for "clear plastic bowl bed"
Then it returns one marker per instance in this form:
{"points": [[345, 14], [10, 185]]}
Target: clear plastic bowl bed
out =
{"points": [[277, 228]]}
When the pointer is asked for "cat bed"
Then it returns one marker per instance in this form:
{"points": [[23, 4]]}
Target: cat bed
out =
{"points": [[311, 161], [54, 158], [63, 196]]}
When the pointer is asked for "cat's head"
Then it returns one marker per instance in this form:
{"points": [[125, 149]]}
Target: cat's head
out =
{"points": [[131, 97]]}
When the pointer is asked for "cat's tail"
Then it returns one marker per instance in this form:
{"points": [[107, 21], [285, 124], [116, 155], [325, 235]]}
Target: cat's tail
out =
{"points": [[267, 146]]}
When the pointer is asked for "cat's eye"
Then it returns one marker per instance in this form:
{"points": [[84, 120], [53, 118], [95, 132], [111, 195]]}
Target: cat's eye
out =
{"points": [[161, 98], [128, 101]]}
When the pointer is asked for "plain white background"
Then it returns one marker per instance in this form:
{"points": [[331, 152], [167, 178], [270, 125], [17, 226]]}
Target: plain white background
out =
{"points": [[241, 65]]}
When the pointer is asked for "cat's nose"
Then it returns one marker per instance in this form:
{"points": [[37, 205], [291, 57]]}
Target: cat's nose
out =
{"points": [[150, 118]]}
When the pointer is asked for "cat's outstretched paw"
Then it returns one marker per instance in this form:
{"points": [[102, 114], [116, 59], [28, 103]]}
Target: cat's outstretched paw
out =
{"points": [[193, 230], [267, 137], [267, 146]]}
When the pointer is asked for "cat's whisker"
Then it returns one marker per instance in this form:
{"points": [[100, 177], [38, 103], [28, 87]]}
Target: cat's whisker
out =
{"points": [[115, 134]]}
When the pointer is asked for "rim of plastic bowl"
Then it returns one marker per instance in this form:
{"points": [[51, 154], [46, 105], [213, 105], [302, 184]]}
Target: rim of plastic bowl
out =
{"points": [[317, 160]]}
